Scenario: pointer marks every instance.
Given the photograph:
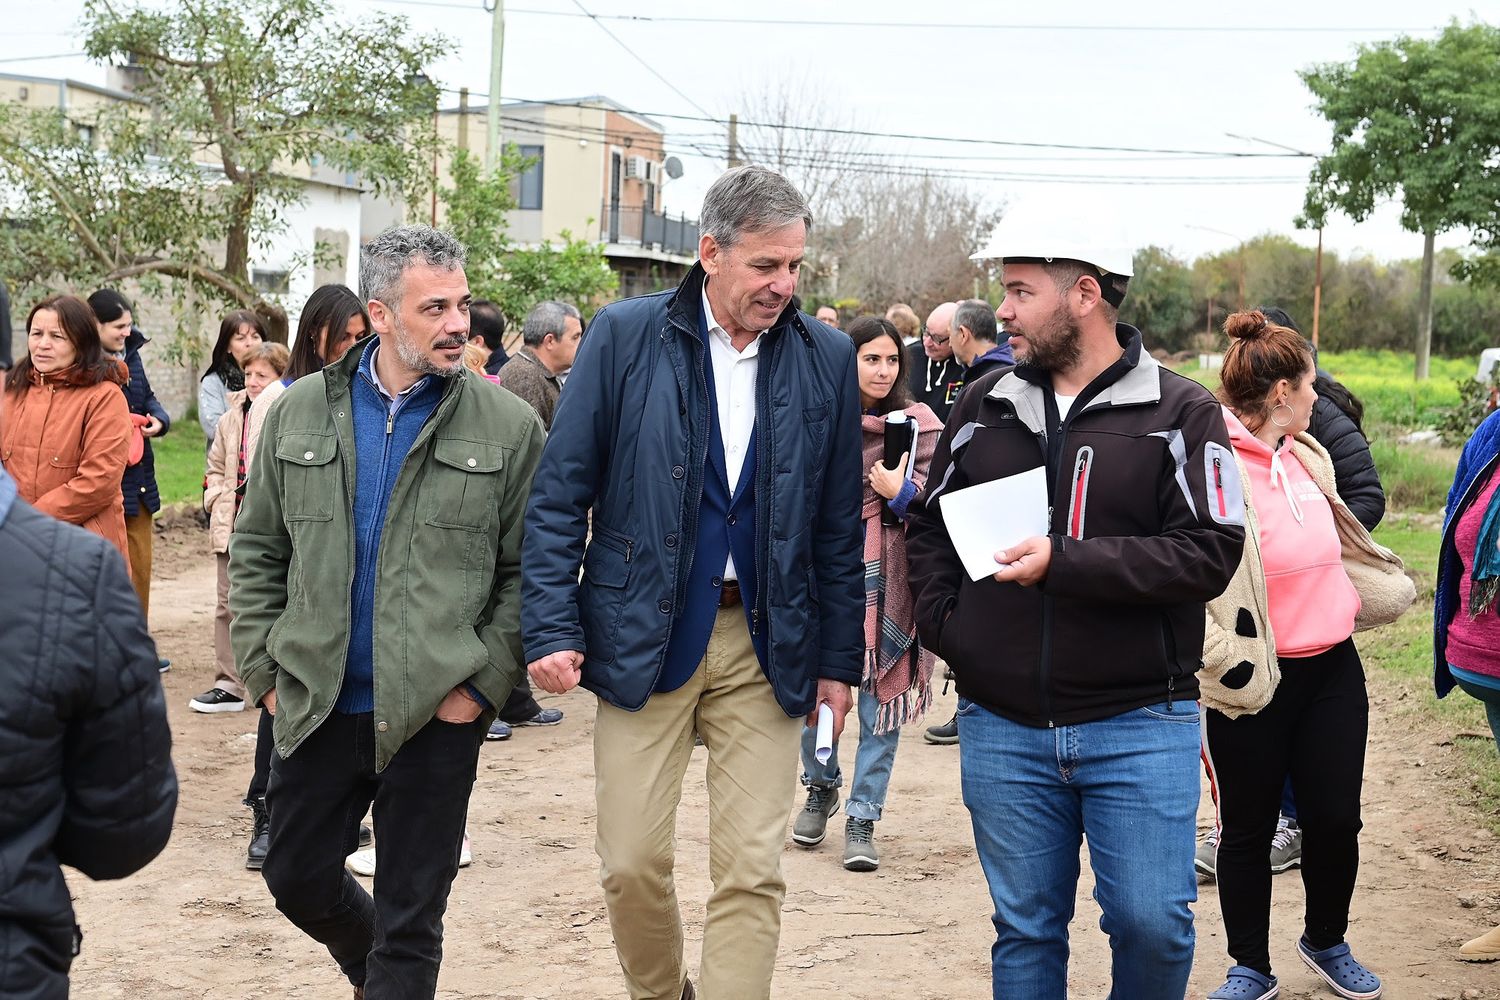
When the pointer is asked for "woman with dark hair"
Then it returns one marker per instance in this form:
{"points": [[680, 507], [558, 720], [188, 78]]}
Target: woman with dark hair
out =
{"points": [[1465, 614], [66, 428], [331, 321], [240, 334], [122, 339], [897, 683], [1282, 685]]}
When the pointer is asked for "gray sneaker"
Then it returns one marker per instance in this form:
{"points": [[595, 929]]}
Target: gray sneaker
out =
{"points": [[1205, 861], [812, 822], [860, 852], [1286, 845]]}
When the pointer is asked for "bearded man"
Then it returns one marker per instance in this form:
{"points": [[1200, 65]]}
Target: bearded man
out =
{"points": [[1076, 662], [375, 574]]}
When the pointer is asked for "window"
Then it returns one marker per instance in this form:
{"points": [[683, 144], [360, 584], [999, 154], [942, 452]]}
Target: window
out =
{"points": [[529, 184], [271, 282]]}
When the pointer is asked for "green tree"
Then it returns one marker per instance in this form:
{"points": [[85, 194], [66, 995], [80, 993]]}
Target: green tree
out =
{"points": [[516, 278], [1418, 118], [1161, 302], [236, 96]]}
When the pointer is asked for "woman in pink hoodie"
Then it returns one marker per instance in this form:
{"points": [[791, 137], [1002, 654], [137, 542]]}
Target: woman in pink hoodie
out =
{"points": [[1315, 723]]}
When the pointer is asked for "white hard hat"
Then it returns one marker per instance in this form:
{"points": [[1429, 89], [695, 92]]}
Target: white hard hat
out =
{"points": [[1028, 232]]}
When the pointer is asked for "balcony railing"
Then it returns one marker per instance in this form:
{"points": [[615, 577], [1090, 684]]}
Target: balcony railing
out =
{"points": [[637, 226]]}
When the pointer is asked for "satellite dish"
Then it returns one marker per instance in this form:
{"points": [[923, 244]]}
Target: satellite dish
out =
{"points": [[673, 167]]}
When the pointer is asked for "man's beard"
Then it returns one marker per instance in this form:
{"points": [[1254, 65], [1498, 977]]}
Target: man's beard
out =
{"points": [[1056, 346], [416, 359]]}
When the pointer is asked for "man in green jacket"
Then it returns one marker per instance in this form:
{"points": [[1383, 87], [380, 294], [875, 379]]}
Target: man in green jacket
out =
{"points": [[375, 578]]}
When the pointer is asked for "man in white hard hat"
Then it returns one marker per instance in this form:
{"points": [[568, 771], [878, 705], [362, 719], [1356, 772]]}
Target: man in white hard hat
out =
{"points": [[1076, 660]]}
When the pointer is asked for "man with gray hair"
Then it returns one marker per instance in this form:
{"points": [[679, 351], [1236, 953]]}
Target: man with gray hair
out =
{"points": [[549, 340], [713, 432], [976, 341], [375, 577]]}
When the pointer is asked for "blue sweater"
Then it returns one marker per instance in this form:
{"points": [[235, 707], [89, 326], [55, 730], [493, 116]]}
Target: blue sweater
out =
{"points": [[383, 434]]}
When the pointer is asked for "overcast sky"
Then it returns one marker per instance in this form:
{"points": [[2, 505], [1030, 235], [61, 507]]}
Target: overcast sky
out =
{"points": [[1086, 73]]}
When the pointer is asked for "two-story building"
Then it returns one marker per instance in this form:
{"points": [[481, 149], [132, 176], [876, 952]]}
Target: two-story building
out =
{"points": [[597, 172]]}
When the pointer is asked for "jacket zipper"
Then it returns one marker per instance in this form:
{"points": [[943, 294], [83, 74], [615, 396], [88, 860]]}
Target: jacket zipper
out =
{"points": [[1079, 492], [1219, 486], [762, 471]]}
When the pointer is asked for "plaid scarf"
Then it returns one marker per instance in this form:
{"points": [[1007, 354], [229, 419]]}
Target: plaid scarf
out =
{"points": [[898, 671]]}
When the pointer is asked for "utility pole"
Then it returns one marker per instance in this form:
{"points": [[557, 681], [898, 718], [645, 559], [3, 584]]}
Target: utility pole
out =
{"points": [[463, 118], [734, 141], [1318, 288], [492, 112]]}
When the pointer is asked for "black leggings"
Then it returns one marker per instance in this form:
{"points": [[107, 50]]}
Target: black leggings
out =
{"points": [[1314, 730]]}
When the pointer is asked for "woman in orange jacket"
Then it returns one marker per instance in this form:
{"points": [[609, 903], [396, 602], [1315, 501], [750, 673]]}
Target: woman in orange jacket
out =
{"points": [[65, 430]]}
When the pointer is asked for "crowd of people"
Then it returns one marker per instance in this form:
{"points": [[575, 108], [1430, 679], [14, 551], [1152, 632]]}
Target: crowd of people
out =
{"points": [[692, 509]]}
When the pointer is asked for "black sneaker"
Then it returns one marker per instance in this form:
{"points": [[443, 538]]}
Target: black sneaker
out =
{"points": [[217, 700], [943, 735], [163, 664], [260, 836]]}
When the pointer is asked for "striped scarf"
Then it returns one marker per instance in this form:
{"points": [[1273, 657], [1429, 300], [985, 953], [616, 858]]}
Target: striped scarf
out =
{"points": [[898, 671]]}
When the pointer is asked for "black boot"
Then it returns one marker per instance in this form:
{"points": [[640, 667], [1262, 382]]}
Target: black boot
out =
{"points": [[260, 836]]}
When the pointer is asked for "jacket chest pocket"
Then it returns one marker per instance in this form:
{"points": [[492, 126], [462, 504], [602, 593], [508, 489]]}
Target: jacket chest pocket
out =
{"points": [[309, 477], [462, 485]]}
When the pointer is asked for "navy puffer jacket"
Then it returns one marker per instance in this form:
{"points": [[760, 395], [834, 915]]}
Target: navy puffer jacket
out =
{"points": [[139, 484], [629, 446], [86, 777]]}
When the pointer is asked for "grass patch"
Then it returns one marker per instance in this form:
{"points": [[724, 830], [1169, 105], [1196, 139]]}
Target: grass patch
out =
{"points": [[179, 464], [1402, 651], [1415, 477]]}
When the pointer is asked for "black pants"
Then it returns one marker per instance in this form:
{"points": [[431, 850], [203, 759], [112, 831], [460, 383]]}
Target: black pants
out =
{"points": [[265, 741], [520, 706], [391, 944], [1314, 729]]}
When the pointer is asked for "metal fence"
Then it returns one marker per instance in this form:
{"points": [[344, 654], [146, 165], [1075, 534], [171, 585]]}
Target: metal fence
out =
{"points": [[637, 226]]}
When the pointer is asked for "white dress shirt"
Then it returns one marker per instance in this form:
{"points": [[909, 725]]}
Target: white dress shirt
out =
{"points": [[734, 387]]}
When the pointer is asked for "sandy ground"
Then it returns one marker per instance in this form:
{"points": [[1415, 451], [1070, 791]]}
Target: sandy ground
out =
{"points": [[527, 919]]}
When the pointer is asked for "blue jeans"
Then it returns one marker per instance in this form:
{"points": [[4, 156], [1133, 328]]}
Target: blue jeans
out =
{"points": [[1130, 784], [1490, 696], [873, 760]]}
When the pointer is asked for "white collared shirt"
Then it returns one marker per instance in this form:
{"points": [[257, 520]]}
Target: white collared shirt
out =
{"points": [[734, 387]]}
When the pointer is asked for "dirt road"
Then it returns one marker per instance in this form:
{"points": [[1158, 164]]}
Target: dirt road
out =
{"points": [[527, 919]]}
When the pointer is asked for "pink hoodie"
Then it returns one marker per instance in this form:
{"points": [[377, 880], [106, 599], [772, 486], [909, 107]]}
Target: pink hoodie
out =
{"points": [[1313, 604]]}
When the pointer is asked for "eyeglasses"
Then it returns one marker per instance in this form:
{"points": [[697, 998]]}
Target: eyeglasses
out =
{"points": [[939, 341]]}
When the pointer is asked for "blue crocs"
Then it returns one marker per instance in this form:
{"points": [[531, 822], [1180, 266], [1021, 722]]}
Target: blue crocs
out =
{"points": [[1244, 983], [1341, 971]]}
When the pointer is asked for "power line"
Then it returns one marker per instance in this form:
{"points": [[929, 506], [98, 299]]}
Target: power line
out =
{"points": [[59, 55], [649, 19], [965, 140], [631, 52]]}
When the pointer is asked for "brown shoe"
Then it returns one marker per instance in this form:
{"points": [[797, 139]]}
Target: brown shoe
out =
{"points": [[687, 990], [359, 993], [1484, 948]]}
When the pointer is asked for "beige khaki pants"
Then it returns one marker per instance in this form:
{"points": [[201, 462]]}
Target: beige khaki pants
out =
{"points": [[227, 678], [639, 762]]}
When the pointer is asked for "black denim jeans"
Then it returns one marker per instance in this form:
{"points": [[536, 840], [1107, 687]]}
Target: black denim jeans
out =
{"points": [[265, 742], [392, 945]]}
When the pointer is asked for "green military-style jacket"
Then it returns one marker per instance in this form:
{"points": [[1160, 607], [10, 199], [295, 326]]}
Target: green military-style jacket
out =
{"points": [[447, 585]]}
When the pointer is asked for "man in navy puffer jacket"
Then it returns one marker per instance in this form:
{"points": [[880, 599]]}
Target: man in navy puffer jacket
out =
{"points": [[713, 434]]}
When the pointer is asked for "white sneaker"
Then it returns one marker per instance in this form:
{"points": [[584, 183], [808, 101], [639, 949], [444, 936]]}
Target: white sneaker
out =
{"points": [[361, 862], [465, 856]]}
